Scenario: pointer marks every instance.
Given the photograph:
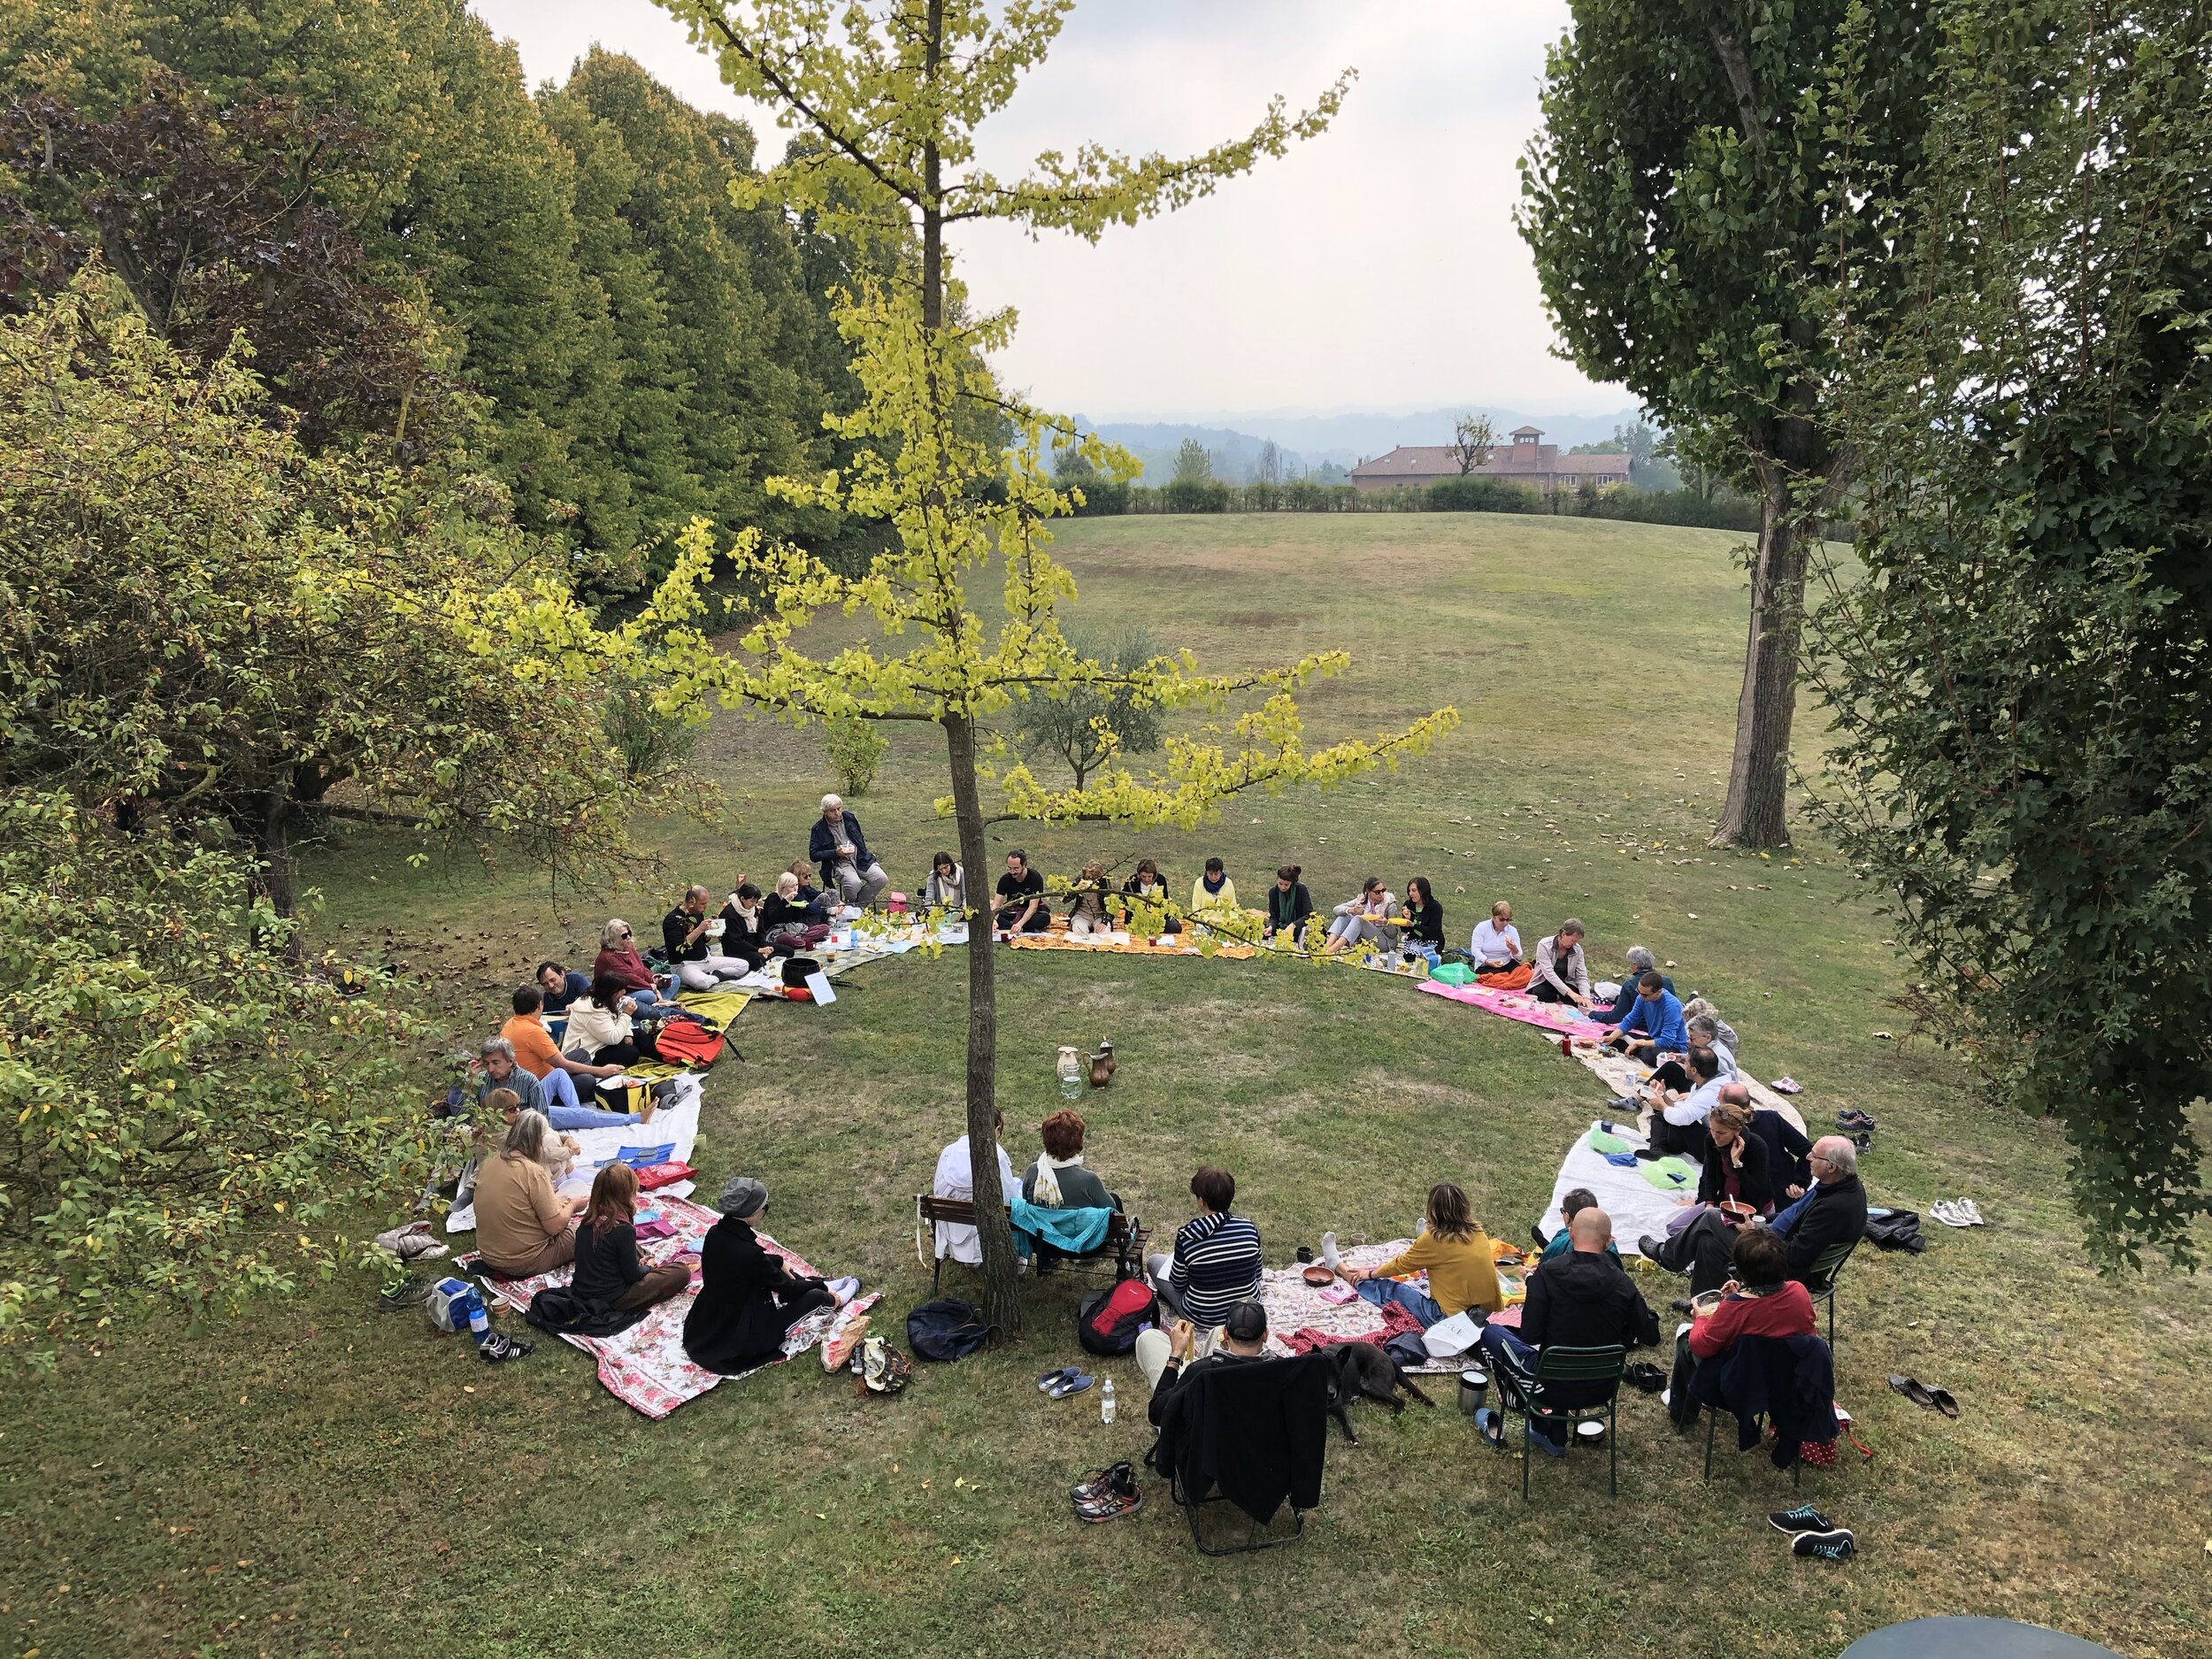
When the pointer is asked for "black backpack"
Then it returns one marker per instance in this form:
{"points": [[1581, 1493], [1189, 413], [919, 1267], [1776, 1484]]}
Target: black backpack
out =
{"points": [[946, 1329], [1109, 1320]]}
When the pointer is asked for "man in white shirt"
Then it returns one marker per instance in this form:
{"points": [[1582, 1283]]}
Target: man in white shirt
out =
{"points": [[1678, 1126], [955, 1179]]}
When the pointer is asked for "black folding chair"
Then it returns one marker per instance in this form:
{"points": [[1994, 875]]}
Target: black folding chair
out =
{"points": [[1220, 1392], [1555, 1365], [1824, 1269]]}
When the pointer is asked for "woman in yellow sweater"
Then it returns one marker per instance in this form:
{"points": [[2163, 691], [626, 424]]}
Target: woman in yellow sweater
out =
{"points": [[1462, 1272]]}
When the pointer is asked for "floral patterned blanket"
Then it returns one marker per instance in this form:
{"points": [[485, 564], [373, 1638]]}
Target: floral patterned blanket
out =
{"points": [[645, 1366], [1293, 1305]]}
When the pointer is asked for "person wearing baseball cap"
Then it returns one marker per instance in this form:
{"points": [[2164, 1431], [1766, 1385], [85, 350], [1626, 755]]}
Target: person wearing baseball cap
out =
{"points": [[1164, 1357]]}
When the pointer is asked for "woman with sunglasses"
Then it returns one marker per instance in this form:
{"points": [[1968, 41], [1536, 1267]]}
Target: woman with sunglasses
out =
{"points": [[618, 955]]}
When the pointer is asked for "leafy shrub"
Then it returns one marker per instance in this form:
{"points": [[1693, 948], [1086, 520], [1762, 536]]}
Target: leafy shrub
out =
{"points": [[187, 1118], [854, 749]]}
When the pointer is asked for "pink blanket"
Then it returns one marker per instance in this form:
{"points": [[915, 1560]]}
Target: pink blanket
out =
{"points": [[646, 1366], [1518, 1006]]}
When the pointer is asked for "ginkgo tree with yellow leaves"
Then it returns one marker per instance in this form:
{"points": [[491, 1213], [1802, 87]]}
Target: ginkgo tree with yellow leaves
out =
{"points": [[886, 99]]}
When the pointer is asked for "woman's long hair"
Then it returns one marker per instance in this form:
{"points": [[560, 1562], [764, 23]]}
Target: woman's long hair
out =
{"points": [[1449, 1215], [607, 991], [613, 1199], [1428, 893]]}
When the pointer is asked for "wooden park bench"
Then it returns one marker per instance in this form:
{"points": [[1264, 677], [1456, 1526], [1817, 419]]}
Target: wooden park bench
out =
{"points": [[1124, 1243]]}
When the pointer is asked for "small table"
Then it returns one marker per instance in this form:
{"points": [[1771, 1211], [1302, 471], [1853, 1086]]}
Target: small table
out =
{"points": [[1971, 1638]]}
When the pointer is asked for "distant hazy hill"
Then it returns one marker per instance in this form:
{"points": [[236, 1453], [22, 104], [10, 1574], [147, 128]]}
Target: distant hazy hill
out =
{"points": [[1309, 440]]}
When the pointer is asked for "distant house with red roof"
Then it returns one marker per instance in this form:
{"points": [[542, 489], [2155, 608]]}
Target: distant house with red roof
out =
{"points": [[1527, 460]]}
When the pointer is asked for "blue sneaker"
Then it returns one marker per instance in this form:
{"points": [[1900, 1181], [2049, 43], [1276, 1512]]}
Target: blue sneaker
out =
{"points": [[1834, 1544], [1803, 1519]]}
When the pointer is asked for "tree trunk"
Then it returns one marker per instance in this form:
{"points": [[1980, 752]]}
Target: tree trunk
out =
{"points": [[270, 831], [1001, 1300], [1756, 813]]}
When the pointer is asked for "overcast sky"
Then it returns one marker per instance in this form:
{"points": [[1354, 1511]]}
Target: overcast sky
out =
{"points": [[1375, 267]]}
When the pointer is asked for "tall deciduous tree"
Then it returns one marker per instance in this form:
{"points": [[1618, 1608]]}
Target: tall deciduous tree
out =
{"points": [[1682, 204], [893, 94], [205, 625], [2021, 680]]}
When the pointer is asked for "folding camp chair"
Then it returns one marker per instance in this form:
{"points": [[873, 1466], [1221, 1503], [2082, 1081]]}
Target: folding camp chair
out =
{"points": [[1216, 1393], [1556, 1365]]}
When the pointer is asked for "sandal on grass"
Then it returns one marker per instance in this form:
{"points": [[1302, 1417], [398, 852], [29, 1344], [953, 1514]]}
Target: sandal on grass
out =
{"points": [[1075, 1383], [1921, 1394]]}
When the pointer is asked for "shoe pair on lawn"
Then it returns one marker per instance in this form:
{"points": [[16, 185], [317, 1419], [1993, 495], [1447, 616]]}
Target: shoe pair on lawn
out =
{"points": [[1107, 1495], [1061, 1382], [1813, 1534], [1956, 1212]]}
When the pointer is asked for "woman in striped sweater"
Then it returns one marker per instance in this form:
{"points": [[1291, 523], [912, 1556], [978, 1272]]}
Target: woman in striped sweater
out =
{"points": [[1216, 1263]]}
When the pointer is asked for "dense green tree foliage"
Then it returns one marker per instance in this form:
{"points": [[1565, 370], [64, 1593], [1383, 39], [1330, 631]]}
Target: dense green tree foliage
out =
{"points": [[1685, 208], [646, 349], [2021, 682]]}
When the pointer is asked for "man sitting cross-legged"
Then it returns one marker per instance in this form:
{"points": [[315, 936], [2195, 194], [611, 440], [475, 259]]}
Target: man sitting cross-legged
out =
{"points": [[1582, 1299], [1654, 1026]]}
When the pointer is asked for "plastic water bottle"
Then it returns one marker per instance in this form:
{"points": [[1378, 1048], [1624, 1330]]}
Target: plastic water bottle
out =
{"points": [[480, 1321], [1106, 1401]]}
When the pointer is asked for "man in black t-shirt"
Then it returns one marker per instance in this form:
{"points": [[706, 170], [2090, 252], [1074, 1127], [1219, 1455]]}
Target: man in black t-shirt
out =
{"points": [[1021, 891]]}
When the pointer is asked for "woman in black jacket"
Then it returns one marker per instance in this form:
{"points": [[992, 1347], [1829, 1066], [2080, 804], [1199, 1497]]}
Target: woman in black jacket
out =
{"points": [[745, 927], [1425, 920], [1738, 1167], [1288, 905], [747, 1299], [610, 1277]]}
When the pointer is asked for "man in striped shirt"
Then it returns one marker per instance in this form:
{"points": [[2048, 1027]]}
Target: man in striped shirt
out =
{"points": [[1216, 1263]]}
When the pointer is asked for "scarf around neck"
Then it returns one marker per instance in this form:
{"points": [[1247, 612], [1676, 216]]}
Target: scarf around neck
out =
{"points": [[1047, 1186]]}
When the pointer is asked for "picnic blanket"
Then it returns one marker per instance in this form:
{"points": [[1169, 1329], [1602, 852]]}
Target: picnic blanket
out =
{"points": [[718, 1008], [1293, 1307], [675, 1126], [645, 1367], [1636, 1206], [1516, 1005]]}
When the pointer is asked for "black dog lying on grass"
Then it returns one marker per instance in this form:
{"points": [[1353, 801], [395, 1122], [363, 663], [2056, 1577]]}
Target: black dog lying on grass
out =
{"points": [[1365, 1371]]}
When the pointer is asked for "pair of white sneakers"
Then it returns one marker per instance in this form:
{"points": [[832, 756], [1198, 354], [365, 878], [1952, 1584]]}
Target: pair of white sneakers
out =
{"points": [[1956, 1212]]}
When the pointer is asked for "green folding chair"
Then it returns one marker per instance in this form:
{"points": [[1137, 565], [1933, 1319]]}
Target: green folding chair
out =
{"points": [[1575, 1365], [1825, 1266]]}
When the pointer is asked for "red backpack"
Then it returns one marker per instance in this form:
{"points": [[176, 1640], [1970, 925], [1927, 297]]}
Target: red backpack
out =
{"points": [[687, 1043], [1109, 1320]]}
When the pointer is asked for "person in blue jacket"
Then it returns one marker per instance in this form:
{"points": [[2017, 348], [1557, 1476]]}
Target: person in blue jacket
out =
{"points": [[840, 852], [1654, 1026]]}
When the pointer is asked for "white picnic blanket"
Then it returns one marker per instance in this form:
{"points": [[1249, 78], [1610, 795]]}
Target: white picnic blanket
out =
{"points": [[676, 1125], [1636, 1206]]}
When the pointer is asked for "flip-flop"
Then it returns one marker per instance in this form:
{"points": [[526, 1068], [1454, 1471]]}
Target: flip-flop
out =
{"points": [[1072, 1385], [1917, 1392]]}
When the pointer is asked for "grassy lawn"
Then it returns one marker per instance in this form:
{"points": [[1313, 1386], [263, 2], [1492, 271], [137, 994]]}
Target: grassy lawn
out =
{"points": [[320, 1478]]}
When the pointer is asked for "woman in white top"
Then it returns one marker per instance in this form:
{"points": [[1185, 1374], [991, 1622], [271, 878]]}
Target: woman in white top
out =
{"points": [[1497, 942], [947, 887], [1365, 917], [600, 1030]]}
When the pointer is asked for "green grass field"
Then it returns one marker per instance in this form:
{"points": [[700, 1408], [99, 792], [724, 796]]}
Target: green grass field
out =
{"points": [[322, 1478]]}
